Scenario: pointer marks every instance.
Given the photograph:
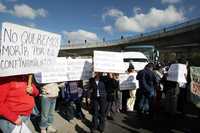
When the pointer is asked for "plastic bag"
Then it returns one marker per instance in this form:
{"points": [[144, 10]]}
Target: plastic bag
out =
{"points": [[21, 129]]}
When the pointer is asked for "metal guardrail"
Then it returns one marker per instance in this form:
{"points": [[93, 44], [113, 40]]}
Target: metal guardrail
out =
{"points": [[142, 35]]}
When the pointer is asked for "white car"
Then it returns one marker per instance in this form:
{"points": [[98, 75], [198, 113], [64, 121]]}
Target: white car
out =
{"points": [[138, 59]]}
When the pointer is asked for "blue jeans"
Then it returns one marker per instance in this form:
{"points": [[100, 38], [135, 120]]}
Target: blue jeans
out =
{"points": [[47, 109], [7, 126], [147, 102], [144, 103]]}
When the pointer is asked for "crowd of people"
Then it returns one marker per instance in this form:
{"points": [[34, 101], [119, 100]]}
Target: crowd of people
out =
{"points": [[103, 91], [152, 88]]}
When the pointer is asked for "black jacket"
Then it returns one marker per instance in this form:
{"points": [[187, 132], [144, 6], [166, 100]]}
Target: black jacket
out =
{"points": [[147, 80], [93, 87]]}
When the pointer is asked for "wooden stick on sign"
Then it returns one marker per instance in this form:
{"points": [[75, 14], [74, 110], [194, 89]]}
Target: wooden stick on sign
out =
{"points": [[30, 77]]}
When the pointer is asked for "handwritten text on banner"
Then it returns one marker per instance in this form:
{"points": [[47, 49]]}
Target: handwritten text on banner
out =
{"points": [[26, 50]]}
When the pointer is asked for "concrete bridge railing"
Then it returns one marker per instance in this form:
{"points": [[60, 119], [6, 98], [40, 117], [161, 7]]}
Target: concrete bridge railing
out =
{"points": [[136, 37]]}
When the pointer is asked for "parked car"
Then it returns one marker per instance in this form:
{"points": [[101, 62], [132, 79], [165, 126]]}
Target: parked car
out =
{"points": [[138, 59]]}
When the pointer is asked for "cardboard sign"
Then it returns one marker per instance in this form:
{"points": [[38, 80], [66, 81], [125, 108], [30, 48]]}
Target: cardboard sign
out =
{"points": [[66, 70], [177, 73], [79, 69], [195, 85], [26, 50], [108, 62], [128, 82], [57, 72]]}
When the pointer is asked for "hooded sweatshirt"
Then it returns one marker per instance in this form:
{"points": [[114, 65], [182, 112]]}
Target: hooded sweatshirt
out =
{"points": [[14, 100]]}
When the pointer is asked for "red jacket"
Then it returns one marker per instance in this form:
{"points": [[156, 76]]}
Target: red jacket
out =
{"points": [[14, 100]]}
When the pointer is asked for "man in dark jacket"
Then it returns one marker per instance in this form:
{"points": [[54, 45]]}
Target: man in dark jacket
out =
{"points": [[98, 99], [111, 89], [147, 84]]}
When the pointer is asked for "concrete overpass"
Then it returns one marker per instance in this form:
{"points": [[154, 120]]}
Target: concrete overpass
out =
{"points": [[179, 37]]}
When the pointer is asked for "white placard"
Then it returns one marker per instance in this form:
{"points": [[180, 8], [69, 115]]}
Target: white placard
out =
{"points": [[79, 69], [66, 70], [105, 61], [128, 82], [195, 85], [26, 50], [57, 72], [177, 73]]}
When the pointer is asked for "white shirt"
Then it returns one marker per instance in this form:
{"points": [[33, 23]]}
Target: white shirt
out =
{"points": [[50, 90]]}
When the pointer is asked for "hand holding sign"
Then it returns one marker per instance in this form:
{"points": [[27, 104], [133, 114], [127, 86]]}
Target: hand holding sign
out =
{"points": [[18, 121], [29, 90]]}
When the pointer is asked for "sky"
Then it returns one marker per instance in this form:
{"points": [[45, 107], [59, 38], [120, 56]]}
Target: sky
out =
{"points": [[97, 20]]}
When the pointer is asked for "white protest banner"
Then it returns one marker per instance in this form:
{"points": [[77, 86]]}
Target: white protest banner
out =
{"points": [[127, 82], [66, 70], [26, 50], [177, 73], [57, 72], [79, 69], [105, 61]]}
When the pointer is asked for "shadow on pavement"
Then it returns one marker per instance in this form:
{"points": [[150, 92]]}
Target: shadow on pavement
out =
{"points": [[163, 123], [79, 129], [66, 111], [87, 122], [124, 127]]}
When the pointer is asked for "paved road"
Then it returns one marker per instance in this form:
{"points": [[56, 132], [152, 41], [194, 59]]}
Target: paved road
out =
{"points": [[131, 123]]}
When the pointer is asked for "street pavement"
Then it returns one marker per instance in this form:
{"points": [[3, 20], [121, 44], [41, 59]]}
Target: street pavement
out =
{"points": [[129, 122]]}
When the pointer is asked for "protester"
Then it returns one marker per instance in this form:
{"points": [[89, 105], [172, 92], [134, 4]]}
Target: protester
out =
{"points": [[129, 96], [98, 99], [78, 101], [72, 95], [147, 84], [182, 96], [117, 93], [111, 88], [16, 101], [59, 99], [132, 91], [171, 91], [158, 71], [48, 101], [125, 97], [126, 93]]}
